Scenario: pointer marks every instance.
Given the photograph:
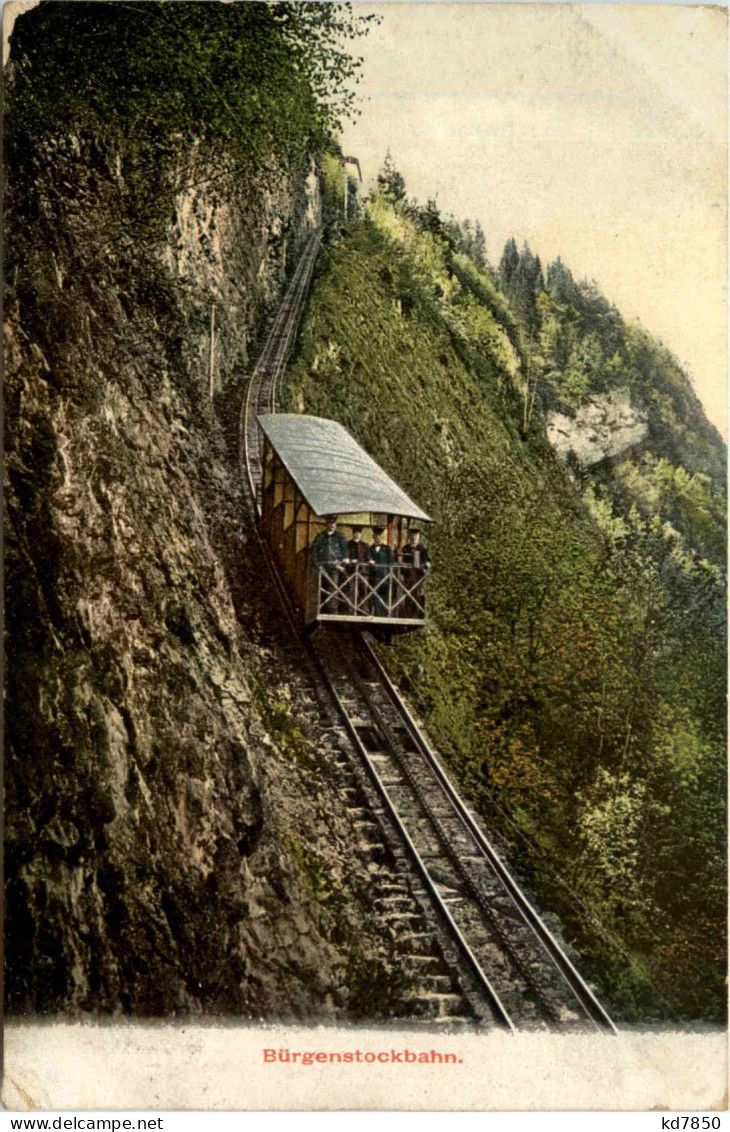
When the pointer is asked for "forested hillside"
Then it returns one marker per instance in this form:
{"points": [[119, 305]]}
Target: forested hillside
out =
{"points": [[573, 667]]}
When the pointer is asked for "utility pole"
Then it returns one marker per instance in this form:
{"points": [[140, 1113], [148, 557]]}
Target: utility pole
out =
{"points": [[343, 162], [212, 349]]}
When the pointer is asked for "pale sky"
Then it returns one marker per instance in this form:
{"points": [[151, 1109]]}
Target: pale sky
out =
{"points": [[597, 132]]}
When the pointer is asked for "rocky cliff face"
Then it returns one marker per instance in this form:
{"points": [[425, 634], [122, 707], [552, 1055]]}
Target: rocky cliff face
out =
{"points": [[606, 426], [176, 838], [228, 250]]}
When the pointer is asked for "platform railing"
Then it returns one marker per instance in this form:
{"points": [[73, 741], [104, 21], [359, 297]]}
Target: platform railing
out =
{"points": [[355, 589]]}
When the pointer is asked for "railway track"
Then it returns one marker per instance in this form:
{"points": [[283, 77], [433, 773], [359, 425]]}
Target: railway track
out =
{"points": [[531, 981], [262, 388], [475, 948]]}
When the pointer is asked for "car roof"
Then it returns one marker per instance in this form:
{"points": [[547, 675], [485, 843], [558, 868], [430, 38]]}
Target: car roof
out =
{"points": [[333, 473]]}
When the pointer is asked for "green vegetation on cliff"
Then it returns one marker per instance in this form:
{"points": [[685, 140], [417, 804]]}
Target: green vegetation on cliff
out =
{"points": [[572, 668], [149, 82], [132, 106]]}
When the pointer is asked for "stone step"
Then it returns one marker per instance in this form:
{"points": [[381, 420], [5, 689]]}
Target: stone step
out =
{"points": [[438, 984], [405, 917], [419, 943], [423, 966], [441, 1005], [393, 903]]}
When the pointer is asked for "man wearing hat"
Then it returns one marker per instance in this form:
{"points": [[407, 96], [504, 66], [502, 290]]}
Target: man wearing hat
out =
{"points": [[380, 573], [329, 551], [415, 565], [358, 553]]}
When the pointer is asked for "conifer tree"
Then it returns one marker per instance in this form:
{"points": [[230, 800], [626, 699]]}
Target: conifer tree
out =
{"points": [[560, 283], [429, 219], [525, 285], [508, 264], [479, 252], [390, 182], [539, 281]]}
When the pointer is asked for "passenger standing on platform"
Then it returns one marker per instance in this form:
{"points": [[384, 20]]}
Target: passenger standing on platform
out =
{"points": [[358, 552], [329, 552], [380, 573], [416, 564]]}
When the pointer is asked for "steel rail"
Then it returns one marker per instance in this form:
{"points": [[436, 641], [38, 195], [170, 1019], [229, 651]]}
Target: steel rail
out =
{"points": [[309, 257], [496, 1005], [519, 981], [274, 354]]}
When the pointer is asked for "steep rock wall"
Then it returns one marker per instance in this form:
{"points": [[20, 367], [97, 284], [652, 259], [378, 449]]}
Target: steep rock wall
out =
{"points": [[175, 837], [605, 427]]}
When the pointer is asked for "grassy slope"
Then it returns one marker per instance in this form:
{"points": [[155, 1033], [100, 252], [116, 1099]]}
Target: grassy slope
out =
{"points": [[532, 670]]}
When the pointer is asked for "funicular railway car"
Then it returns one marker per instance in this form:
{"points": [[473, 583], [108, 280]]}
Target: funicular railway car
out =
{"points": [[346, 537]]}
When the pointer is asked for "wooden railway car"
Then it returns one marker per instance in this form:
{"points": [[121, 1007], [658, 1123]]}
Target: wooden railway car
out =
{"points": [[313, 469]]}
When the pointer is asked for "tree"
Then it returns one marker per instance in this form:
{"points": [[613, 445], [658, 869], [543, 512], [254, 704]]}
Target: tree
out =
{"points": [[390, 182], [523, 282], [320, 32], [149, 78], [429, 218], [479, 252], [508, 264], [560, 284]]}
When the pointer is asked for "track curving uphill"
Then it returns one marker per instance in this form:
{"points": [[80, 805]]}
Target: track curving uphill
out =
{"points": [[475, 949], [264, 382]]}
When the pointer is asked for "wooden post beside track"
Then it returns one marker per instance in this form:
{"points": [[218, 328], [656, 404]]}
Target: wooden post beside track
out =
{"points": [[211, 383]]}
